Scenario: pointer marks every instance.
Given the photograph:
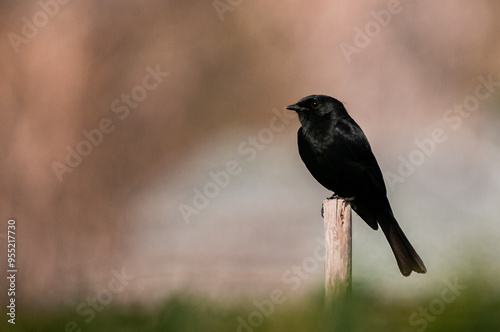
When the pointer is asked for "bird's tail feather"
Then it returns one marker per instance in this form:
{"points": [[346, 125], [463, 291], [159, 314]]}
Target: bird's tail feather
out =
{"points": [[407, 258]]}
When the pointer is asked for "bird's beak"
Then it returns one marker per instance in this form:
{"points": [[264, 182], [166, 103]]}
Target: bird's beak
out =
{"points": [[295, 108]]}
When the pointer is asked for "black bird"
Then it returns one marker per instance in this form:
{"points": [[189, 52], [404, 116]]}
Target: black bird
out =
{"points": [[338, 155]]}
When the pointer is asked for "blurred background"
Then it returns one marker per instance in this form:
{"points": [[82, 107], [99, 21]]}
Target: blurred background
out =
{"points": [[191, 180]]}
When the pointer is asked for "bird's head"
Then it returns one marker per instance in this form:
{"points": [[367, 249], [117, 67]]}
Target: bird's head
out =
{"points": [[316, 107]]}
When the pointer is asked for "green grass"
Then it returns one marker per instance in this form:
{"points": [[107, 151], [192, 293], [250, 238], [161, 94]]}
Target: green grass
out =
{"points": [[476, 308]]}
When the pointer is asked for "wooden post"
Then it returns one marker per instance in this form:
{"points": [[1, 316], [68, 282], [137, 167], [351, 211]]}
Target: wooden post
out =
{"points": [[338, 247]]}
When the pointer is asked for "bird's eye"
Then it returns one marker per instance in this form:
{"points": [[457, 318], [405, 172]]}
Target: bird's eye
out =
{"points": [[314, 104]]}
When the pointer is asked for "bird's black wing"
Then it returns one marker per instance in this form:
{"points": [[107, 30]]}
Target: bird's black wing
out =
{"points": [[362, 166], [361, 173]]}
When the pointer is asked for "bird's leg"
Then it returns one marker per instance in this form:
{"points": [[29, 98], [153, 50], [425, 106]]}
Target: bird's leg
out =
{"points": [[334, 196]]}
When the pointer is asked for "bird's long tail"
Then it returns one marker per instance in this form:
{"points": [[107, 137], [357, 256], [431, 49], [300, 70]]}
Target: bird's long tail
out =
{"points": [[407, 258]]}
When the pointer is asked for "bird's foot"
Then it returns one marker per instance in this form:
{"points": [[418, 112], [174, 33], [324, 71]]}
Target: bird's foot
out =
{"points": [[335, 196]]}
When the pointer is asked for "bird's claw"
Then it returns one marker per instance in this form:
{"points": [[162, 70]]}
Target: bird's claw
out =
{"points": [[347, 199], [334, 196]]}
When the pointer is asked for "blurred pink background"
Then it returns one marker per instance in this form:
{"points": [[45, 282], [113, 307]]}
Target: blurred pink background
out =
{"points": [[120, 207]]}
